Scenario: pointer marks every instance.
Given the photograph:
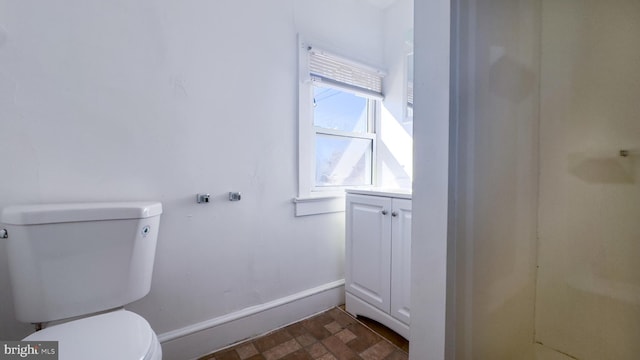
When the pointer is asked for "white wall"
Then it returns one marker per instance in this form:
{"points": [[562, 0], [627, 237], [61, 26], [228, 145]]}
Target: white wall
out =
{"points": [[495, 109], [430, 185], [588, 293], [395, 148], [160, 100]]}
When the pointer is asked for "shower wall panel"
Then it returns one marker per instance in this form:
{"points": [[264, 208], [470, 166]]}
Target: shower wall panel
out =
{"points": [[588, 284]]}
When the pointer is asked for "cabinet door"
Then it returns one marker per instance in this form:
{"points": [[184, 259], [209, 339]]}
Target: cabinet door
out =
{"points": [[368, 249], [401, 259]]}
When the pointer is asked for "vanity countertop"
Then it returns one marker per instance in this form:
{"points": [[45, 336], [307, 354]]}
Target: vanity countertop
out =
{"points": [[387, 192]]}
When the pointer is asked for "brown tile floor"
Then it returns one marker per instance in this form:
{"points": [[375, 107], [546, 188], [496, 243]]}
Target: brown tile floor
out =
{"points": [[386, 333], [331, 335]]}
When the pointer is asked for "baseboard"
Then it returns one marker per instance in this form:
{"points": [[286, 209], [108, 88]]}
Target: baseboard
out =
{"points": [[193, 341]]}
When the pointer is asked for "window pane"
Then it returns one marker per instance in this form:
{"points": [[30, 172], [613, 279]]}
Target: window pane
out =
{"points": [[342, 161], [339, 110]]}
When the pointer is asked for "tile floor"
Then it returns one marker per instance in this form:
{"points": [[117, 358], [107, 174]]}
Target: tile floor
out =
{"points": [[331, 335]]}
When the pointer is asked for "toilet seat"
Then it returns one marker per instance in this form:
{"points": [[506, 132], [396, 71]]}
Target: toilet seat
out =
{"points": [[119, 334]]}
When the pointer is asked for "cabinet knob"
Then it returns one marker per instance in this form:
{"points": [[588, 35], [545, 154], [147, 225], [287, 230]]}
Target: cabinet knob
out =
{"points": [[384, 212], [394, 213]]}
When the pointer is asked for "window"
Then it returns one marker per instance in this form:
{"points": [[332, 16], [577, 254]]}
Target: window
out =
{"points": [[343, 137], [339, 102], [409, 67]]}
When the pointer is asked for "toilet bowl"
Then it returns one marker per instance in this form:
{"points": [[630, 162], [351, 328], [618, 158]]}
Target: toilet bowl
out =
{"points": [[119, 334], [70, 265]]}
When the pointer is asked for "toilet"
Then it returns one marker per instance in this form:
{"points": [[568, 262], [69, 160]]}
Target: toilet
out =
{"points": [[74, 266]]}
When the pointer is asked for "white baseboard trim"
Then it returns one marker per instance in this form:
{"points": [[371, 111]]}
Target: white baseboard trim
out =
{"points": [[204, 337]]}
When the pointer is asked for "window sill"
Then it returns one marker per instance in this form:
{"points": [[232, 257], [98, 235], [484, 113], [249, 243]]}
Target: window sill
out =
{"points": [[318, 205]]}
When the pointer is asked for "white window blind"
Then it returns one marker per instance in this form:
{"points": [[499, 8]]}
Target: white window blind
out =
{"points": [[343, 73]]}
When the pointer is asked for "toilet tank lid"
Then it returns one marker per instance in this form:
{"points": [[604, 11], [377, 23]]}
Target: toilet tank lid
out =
{"points": [[76, 212]]}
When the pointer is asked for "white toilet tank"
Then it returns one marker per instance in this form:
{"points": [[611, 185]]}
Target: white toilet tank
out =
{"points": [[68, 260]]}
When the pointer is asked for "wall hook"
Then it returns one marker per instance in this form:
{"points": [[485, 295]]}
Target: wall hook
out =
{"points": [[202, 198]]}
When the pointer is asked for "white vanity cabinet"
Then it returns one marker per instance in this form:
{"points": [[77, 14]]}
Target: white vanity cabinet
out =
{"points": [[378, 257]]}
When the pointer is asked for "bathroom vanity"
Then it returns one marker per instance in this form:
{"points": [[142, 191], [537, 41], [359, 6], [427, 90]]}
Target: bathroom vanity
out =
{"points": [[378, 256]]}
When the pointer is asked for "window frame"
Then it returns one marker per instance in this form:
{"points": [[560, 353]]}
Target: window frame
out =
{"points": [[370, 134], [314, 199]]}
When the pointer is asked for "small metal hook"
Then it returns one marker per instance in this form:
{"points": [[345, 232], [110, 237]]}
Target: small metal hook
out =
{"points": [[4, 234], [624, 153]]}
